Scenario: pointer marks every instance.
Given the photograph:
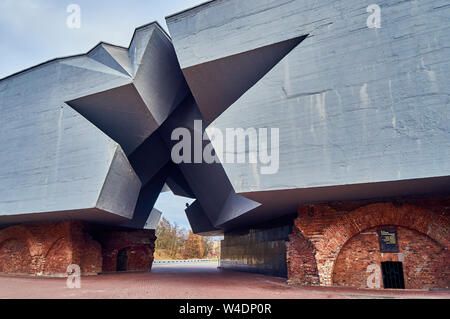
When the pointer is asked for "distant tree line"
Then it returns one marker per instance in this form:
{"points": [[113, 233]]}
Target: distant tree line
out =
{"points": [[175, 242]]}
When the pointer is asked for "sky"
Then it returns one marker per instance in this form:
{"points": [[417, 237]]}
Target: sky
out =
{"points": [[35, 31]]}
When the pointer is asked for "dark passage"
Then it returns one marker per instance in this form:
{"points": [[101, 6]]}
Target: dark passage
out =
{"points": [[122, 260], [393, 275], [261, 249]]}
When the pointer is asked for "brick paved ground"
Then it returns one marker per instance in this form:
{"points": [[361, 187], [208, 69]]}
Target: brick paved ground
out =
{"points": [[187, 281]]}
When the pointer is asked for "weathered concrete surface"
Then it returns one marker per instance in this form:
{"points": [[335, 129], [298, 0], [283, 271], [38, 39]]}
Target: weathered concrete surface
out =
{"points": [[68, 126], [89, 137], [353, 104]]}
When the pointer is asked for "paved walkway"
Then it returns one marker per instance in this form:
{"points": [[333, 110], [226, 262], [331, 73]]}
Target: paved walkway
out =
{"points": [[192, 281]]}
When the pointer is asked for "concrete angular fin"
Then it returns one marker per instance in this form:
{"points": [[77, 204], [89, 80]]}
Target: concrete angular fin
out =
{"points": [[199, 221], [178, 184], [121, 56], [235, 206], [208, 182], [147, 199], [92, 65], [128, 120], [151, 156], [139, 44], [121, 188], [102, 55], [159, 79], [218, 84], [153, 219], [165, 189]]}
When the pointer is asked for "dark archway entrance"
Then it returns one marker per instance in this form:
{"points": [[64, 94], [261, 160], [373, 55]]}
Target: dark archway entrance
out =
{"points": [[122, 260]]}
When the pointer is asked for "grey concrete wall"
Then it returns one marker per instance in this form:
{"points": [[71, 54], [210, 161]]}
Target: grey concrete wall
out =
{"points": [[353, 104], [61, 124], [51, 158]]}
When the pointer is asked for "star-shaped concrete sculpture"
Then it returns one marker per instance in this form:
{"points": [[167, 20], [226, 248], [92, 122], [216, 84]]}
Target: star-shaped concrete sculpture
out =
{"points": [[88, 137]]}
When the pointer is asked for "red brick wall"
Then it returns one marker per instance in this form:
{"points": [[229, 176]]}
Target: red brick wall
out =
{"points": [[425, 262], [15, 257], [49, 248], [140, 246], [86, 251], [301, 262], [58, 257], [140, 258], [330, 227]]}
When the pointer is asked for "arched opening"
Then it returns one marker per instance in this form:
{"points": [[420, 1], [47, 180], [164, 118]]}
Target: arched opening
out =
{"points": [[345, 225], [175, 240], [421, 258]]}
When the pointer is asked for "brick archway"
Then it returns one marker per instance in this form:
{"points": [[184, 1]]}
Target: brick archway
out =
{"points": [[48, 248], [58, 257], [339, 232], [22, 233], [17, 249], [15, 257], [423, 260]]}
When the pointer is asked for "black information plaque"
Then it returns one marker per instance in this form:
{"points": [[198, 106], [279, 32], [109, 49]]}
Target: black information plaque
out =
{"points": [[388, 240]]}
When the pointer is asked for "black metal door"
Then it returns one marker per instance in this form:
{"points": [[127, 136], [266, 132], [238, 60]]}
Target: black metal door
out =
{"points": [[393, 275]]}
